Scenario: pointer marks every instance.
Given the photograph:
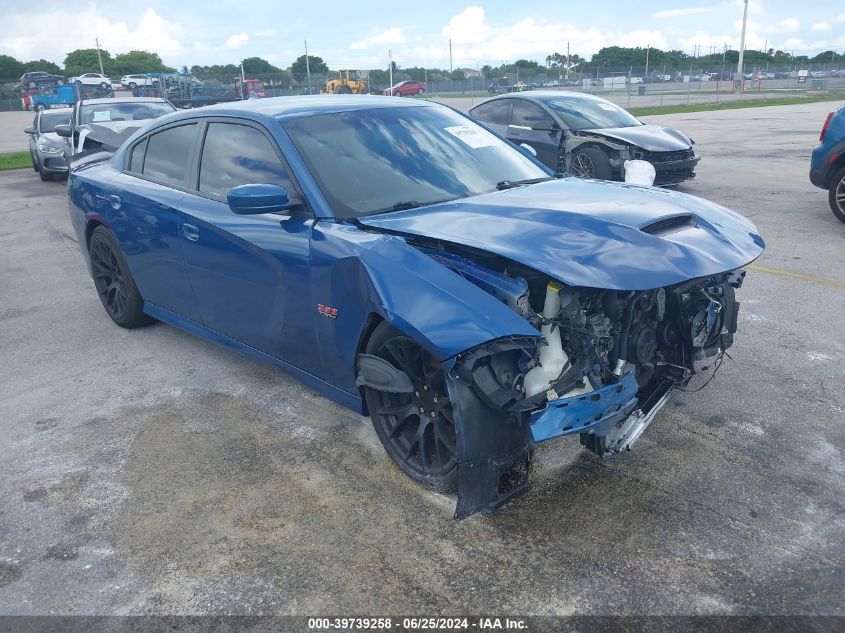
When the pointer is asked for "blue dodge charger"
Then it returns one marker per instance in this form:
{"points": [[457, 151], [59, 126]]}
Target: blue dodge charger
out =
{"points": [[406, 262]]}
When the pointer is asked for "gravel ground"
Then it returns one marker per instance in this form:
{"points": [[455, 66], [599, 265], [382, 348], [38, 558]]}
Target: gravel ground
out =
{"points": [[153, 472]]}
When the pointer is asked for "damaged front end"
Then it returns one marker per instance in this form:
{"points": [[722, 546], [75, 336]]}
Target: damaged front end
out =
{"points": [[604, 363]]}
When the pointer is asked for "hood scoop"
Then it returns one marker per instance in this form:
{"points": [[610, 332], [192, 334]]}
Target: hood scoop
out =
{"points": [[667, 226]]}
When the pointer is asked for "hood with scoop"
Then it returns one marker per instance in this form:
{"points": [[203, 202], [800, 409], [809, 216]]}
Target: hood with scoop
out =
{"points": [[597, 234]]}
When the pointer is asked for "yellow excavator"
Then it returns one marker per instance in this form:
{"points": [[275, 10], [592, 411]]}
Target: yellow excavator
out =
{"points": [[348, 82]]}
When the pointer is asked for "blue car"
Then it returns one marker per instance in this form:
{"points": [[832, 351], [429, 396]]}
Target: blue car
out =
{"points": [[827, 166], [408, 263]]}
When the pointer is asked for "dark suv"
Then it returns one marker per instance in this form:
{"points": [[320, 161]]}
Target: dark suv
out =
{"points": [[827, 166], [36, 79]]}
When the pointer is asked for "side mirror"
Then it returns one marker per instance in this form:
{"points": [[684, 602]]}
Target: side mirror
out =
{"points": [[525, 148], [255, 199], [29, 130], [64, 130]]}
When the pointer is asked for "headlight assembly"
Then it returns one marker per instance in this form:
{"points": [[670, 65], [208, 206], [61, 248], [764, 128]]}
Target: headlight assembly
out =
{"points": [[49, 149]]}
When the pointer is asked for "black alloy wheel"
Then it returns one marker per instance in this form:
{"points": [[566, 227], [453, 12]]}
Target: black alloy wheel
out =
{"points": [[591, 162], [114, 282], [417, 429]]}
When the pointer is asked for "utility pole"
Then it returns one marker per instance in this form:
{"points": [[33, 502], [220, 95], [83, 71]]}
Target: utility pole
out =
{"points": [[647, 51], [742, 47], [567, 60], [308, 68], [99, 58], [450, 54], [243, 83], [390, 66]]}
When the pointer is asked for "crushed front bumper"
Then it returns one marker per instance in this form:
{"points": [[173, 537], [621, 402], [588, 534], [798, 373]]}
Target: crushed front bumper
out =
{"points": [[596, 410]]}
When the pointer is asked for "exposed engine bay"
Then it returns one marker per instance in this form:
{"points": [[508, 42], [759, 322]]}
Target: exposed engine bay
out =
{"points": [[611, 358]]}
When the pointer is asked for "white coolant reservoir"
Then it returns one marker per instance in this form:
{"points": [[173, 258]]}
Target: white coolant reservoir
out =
{"points": [[552, 357]]}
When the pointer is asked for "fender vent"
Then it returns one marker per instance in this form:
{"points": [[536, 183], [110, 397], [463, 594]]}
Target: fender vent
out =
{"points": [[665, 226]]}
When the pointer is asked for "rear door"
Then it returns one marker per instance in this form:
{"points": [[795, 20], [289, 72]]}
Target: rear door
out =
{"points": [[532, 125], [494, 114], [144, 210], [250, 273]]}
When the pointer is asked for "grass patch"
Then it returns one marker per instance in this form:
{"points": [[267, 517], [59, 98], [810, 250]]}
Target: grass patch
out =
{"points": [[732, 105], [15, 160]]}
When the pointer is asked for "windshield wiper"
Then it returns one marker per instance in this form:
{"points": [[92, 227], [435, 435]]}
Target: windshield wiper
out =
{"points": [[401, 206], [510, 184]]}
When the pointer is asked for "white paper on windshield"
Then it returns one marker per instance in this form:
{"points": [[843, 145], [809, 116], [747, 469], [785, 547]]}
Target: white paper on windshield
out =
{"points": [[472, 136], [608, 106], [101, 115]]}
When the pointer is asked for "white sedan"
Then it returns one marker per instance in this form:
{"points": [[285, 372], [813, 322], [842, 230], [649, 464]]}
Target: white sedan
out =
{"points": [[93, 79]]}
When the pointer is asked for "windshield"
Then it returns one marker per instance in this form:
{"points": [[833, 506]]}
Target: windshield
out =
{"points": [[49, 120], [374, 160], [125, 111], [590, 114]]}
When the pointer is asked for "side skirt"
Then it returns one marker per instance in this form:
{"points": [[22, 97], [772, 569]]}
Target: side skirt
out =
{"points": [[344, 398]]}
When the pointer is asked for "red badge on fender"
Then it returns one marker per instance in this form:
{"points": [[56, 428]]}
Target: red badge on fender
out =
{"points": [[326, 311]]}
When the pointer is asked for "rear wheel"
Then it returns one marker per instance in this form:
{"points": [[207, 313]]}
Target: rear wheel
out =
{"points": [[118, 292], [591, 162], [60, 82], [132, 85], [104, 85], [417, 429], [343, 90], [836, 195]]}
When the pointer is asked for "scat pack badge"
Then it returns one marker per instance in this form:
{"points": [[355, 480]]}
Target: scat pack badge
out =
{"points": [[326, 311]]}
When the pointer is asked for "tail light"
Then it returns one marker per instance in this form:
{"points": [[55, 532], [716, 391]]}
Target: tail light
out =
{"points": [[825, 126]]}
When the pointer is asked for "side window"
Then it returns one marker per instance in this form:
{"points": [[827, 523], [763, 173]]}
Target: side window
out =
{"points": [[531, 115], [493, 112], [136, 157], [168, 153], [235, 155]]}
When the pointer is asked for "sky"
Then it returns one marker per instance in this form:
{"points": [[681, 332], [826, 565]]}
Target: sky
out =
{"points": [[359, 33]]}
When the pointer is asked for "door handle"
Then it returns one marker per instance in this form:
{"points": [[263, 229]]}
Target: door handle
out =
{"points": [[112, 199], [191, 232]]}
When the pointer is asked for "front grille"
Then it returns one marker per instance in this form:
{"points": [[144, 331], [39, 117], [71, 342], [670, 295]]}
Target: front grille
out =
{"points": [[667, 157]]}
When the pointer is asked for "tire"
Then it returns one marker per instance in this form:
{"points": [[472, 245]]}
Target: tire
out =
{"points": [[132, 85], [31, 84], [397, 94], [417, 430], [38, 107], [34, 162], [591, 162], [104, 85], [420, 91], [836, 195], [343, 90], [115, 285], [60, 82], [44, 175]]}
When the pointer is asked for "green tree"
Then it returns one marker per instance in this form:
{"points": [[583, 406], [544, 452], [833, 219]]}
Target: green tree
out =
{"points": [[42, 64], [316, 64], [10, 68], [136, 62], [254, 66], [84, 60]]}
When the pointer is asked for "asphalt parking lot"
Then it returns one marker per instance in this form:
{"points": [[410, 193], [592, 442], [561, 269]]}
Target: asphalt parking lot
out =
{"points": [[153, 472]]}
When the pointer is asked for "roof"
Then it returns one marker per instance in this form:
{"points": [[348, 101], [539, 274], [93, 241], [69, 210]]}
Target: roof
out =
{"points": [[124, 100], [289, 107], [550, 95]]}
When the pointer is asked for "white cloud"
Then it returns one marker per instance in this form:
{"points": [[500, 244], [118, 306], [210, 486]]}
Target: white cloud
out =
{"points": [[266, 33], [61, 31], [236, 41], [789, 25], [387, 37], [791, 43], [468, 27], [840, 18], [674, 13], [821, 26]]}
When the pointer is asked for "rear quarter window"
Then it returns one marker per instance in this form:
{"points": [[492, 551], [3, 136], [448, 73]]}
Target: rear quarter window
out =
{"points": [[168, 154]]}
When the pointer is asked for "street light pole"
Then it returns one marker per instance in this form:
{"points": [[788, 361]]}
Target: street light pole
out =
{"points": [[100, 59], [390, 57], [742, 47], [647, 51], [308, 68], [450, 54]]}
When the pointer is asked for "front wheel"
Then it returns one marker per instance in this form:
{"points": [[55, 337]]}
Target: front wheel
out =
{"points": [[132, 85], [836, 195], [591, 162], [104, 85], [420, 91], [44, 175], [416, 429], [115, 285]]}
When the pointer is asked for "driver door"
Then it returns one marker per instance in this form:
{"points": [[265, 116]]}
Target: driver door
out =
{"points": [[249, 273], [532, 125]]}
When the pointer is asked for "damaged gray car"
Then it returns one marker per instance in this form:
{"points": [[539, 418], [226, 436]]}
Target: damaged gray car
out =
{"points": [[587, 136]]}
